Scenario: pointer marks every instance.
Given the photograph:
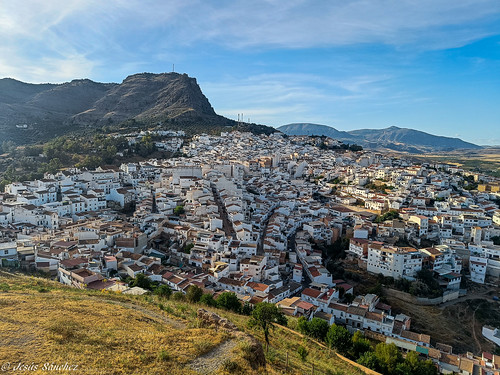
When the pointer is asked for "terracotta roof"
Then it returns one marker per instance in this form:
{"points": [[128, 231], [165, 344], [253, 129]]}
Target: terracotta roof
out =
{"points": [[314, 293]]}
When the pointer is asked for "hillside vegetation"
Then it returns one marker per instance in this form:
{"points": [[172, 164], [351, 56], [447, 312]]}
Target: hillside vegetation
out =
{"points": [[42, 322]]}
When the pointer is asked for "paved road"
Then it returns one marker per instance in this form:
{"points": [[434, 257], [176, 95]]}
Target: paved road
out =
{"points": [[227, 225], [260, 244]]}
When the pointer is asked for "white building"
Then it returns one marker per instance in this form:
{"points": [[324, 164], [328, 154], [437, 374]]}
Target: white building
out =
{"points": [[394, 261]]}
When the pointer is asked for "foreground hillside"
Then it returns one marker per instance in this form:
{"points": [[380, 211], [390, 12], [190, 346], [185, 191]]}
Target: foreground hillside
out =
{"points": [[106, 333]]}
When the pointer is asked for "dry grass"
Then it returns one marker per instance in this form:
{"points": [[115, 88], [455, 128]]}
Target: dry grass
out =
{"points": [[98, 335], [108, 333]]}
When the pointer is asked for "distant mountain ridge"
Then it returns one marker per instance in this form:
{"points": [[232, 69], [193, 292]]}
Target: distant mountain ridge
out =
{"points": [[394, 138], [31, 112]]}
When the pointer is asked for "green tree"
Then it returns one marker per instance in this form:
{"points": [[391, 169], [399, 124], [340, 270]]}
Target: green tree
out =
{"points": [[318, 328], [403, 369], [194, 293], [388, 357], [390, 215], [145, 146], [349, 297], [360, 345], [142, 281], [208, 299], [369, 359], [413, 366], [247, 309], [339, 339], [266, 315], [229, 301], [303, 325], [163, 291], [178, 210]]}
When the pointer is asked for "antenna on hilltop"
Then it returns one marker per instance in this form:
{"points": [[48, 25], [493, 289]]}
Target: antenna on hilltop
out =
{"points": [[173, 66]]}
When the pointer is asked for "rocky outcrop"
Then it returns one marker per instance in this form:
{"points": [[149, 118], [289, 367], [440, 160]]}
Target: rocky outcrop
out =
{"points": [[211, 319], [253, 351]]}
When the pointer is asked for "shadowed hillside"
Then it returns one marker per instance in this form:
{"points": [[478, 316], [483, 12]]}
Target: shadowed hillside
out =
{"points": [[37, 112]]}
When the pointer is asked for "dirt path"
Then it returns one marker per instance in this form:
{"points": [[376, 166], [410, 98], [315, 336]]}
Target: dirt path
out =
{"points": [[483, 294], [478, 344], [210, 362]]}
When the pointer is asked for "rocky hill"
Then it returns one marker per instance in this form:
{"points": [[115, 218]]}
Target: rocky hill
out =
{"points": [[33, 112], [394, 138]]}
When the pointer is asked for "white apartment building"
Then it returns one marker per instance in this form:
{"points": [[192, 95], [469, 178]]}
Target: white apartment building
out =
{"points": [[253, 267], [423, 223], [394, 261], [478, 266], [8, 249]]}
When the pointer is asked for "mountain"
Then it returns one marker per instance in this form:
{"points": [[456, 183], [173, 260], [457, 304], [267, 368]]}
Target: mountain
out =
{"points": [[32, 112], [313, 129], [394, 138], [149, 96]]}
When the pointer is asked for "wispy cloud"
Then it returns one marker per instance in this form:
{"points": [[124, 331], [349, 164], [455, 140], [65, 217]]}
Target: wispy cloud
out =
{"points": [[279, 98], [118, 32]]}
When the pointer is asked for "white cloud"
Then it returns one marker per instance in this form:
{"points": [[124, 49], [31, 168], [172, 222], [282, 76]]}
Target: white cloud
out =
{"points": [[276, 99], [92, 34], [296, 24]]}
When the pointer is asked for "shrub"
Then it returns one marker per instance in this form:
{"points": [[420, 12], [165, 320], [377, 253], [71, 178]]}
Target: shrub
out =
{"points": [[194, 293], [208, 299], [163, 355], [303, 325], [63, 330], [369, 360], [247, 309], [4, 287], [229, 301], [202, 347], [163, 291], [230, 366], [178, 296], [302, 352]]}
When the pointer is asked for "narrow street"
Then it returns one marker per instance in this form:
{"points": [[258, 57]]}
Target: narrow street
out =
{"points": [[227, 225], [260, 244]]}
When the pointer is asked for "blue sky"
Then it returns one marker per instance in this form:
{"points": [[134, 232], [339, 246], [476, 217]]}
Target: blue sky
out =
{"points": [[432, 65]]}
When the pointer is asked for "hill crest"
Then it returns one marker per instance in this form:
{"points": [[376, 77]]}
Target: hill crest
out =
{"points": [[49, 110], [393, 137]]}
